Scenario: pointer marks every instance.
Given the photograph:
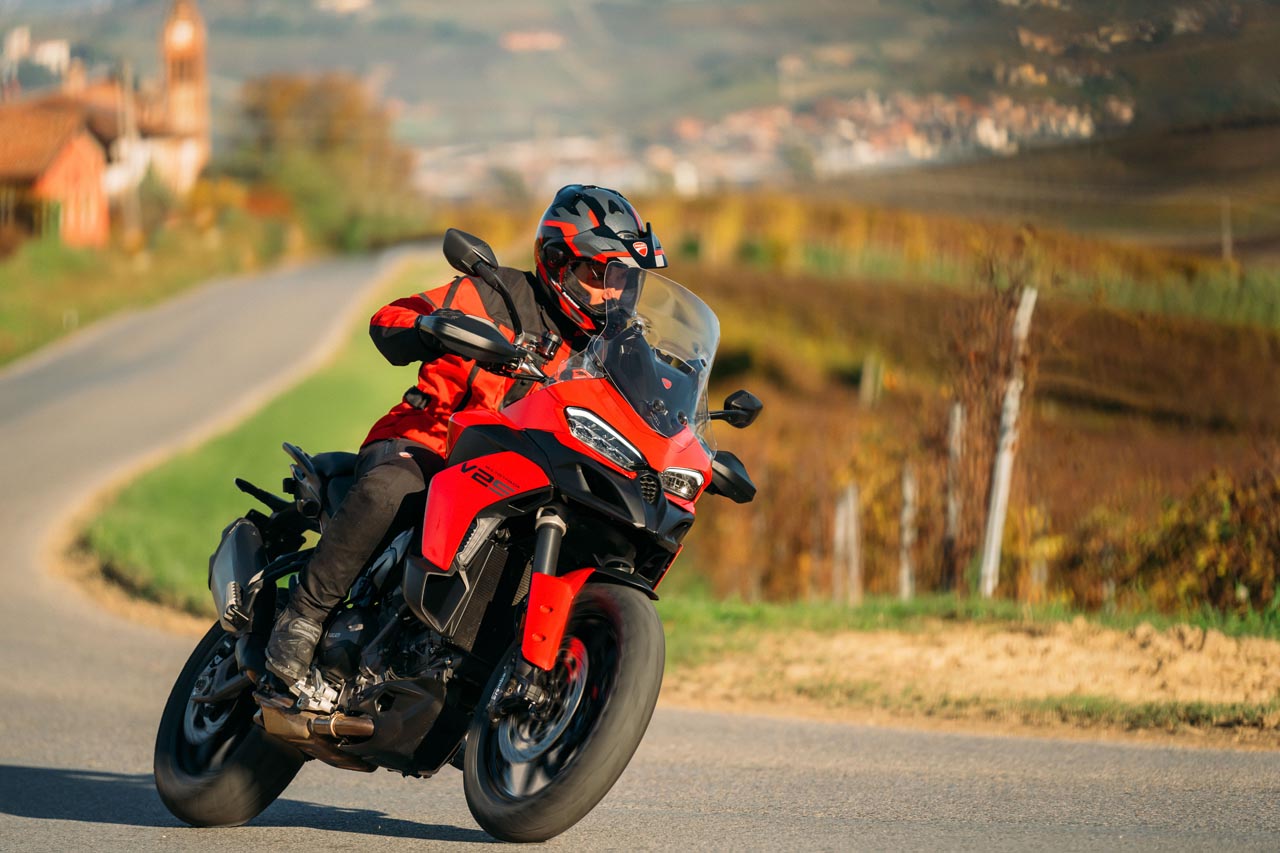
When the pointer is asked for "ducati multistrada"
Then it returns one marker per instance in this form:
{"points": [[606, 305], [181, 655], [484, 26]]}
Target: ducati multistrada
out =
{"points": [[512, 634]]}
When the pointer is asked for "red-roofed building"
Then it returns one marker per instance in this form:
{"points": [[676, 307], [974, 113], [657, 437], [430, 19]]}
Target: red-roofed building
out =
{"points": [[52, 142], [51, 170]]}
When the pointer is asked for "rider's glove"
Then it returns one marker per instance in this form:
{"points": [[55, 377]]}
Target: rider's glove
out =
{"points": [[431, 347]]}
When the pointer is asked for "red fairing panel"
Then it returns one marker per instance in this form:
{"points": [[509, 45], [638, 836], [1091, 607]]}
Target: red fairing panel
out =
{"points": [[458, 494], [544, 410], [550, 599]]}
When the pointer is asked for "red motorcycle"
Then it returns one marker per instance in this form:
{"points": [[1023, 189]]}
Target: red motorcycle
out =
{"points": [[513, 634]]}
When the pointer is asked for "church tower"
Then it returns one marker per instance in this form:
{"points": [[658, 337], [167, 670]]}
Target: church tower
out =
{"points": [[186, 84]]}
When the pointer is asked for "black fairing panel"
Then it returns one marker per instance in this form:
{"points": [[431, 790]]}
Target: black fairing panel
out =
{"points": [[417, 726], [482, 440], [594, 485]]}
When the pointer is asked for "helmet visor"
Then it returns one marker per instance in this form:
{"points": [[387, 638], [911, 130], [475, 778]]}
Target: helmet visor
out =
{"points": [[584, 281]]}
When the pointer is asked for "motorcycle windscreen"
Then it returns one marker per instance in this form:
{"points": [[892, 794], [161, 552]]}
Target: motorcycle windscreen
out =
{"points": [[656, 348]]}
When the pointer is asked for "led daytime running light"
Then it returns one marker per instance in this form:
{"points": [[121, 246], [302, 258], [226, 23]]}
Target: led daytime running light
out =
{"points": [[594, 432]]}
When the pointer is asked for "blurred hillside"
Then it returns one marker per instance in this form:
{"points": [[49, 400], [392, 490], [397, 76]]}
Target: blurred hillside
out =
{"points": [[1169, 189], [512, 69]]}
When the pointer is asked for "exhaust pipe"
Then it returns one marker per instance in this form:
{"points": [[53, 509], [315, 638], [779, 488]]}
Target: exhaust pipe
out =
{"points": [[341, 725], [302, 727]]}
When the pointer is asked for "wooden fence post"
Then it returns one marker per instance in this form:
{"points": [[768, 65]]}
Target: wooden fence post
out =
{"points": [[1228, 250], [906, 565], [1002, 470], [853, 586], [871, 381], [839, 549], [846, 559], [951, 531]]}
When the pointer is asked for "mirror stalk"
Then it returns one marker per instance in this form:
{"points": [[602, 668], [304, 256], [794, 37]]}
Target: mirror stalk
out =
{"points": [[470, 255]]}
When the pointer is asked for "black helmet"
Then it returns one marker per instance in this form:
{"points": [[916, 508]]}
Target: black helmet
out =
{"points": [[584, 229]]}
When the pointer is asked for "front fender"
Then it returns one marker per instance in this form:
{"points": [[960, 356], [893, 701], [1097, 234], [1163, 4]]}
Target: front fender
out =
{"points": [[550, 601]]}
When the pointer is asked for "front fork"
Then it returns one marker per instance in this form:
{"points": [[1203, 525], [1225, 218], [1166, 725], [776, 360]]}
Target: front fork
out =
{"points": [[550, 596], [550, 599]]}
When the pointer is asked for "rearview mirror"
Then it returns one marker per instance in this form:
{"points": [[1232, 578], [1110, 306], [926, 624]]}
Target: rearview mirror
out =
{"points": [[465, 252], [470, 337], [741, 408]]}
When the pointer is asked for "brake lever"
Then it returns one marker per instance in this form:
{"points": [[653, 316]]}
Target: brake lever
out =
{"points": [[526, 369]]}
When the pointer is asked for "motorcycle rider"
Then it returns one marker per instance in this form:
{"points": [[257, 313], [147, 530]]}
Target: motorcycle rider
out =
{"points": [[560, 304]]}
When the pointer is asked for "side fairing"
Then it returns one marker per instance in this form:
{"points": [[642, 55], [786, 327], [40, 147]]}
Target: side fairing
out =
{"points": [[460, 493]]}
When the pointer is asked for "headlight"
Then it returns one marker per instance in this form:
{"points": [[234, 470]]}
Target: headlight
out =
{"points": [[681, 482], [591, 430]]}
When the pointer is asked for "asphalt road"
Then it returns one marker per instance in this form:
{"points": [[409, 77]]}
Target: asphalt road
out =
{"points": [[81, 690]]}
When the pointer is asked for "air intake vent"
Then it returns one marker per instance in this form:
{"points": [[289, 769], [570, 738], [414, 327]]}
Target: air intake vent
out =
{"points": [[650, 486]]}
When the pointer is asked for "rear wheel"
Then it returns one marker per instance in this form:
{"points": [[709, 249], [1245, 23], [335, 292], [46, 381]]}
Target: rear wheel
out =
{"points": [[213, 765], [529, 778]]}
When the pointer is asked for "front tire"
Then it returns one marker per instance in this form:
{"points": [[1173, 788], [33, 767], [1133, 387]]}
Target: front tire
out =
{"points": [[213, 765], [531, 779]]}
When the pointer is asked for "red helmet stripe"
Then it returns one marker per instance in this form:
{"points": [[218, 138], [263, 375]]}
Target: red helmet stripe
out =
{"points": [[566, 228]]}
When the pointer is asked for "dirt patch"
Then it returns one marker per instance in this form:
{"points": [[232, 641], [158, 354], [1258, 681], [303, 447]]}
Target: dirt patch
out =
{"points": [[81, 568], [1191, 685]]}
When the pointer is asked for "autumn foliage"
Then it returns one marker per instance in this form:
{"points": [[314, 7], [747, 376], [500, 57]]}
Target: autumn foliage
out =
{"points": [[1127, 412], [326, 146]]}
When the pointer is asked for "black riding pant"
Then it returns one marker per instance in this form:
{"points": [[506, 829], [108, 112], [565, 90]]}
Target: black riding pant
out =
{"points": [[389, 495]]}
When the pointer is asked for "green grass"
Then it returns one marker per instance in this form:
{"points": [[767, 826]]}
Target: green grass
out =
{"points": [[48, 290], [156, 535], [1103, 710], [700, 627], [1075, 710]]}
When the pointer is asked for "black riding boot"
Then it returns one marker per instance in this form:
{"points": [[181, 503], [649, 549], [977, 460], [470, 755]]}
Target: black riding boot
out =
{"points": [[390, 487], [292, 646]]}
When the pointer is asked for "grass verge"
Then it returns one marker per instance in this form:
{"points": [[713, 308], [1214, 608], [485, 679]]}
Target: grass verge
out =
{"points": [[155, 536], [1077, 711], [48, 290], [699, 627]]}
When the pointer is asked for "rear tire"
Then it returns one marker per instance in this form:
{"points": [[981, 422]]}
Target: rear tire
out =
{"points": [[213, 765], [608, 674]]}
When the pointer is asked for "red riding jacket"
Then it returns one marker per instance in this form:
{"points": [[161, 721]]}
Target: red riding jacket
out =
{"points": [[449, 383]]}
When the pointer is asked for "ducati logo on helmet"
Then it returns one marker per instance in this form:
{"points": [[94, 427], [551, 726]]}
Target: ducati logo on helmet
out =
{"points": [[641, 248]]}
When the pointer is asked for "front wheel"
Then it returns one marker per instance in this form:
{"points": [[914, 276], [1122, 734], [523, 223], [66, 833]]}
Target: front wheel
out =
{"points": [[213, 765], [530, 778]]}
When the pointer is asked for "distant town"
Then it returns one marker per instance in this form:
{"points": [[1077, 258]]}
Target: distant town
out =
{"points": [[774, 144], [163, 125]]}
